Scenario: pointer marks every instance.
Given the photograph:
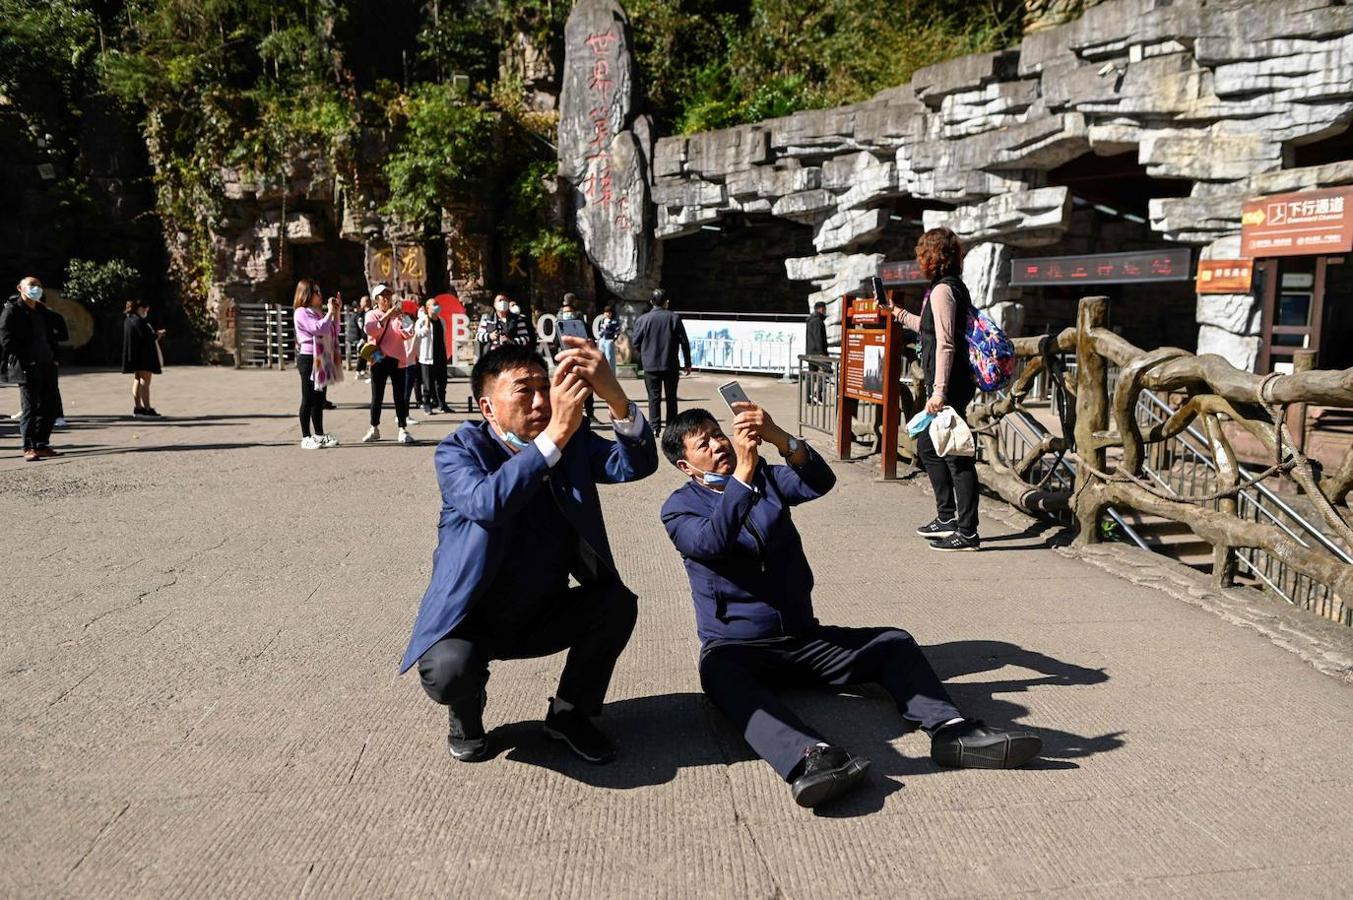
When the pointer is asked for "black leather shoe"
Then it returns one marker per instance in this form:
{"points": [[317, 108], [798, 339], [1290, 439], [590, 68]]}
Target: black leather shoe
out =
{"points": [[466, 739], [972, 745], [828, 773], [936, 528], [582, 737]]}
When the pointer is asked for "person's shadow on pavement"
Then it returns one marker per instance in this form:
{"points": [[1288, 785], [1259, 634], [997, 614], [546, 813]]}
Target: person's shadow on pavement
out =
{"points": [[661, 734]]}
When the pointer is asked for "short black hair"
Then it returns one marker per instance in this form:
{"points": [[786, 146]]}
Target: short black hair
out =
{"points": [[686, 423], [503, 359], [659, 297], [819, 305]]}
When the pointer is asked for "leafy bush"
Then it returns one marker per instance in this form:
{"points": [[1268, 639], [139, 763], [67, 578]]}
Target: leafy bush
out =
{"points": [[444, 147], [104, 287]]}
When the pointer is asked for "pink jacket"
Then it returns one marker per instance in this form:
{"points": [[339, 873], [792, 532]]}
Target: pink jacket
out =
{"points": [[393, 342], [309, 324]]}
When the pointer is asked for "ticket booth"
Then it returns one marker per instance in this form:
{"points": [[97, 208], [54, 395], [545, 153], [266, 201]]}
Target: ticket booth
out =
{"points": [[1302, 246]]}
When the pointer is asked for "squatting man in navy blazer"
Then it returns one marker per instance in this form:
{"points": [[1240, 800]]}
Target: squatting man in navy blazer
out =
{"points": [[752, 588], [520, 514]]}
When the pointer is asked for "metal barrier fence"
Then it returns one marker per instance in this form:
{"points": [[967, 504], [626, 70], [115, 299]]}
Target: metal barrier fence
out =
{"points": [[734, 355], [263, 335], [817, 393]]}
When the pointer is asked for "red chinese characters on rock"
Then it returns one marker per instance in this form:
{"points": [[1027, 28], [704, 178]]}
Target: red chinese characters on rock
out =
{"points": [[599, 185]]}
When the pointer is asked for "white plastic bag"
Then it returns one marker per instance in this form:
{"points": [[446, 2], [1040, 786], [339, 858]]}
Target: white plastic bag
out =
{"points": [[951, 435]]}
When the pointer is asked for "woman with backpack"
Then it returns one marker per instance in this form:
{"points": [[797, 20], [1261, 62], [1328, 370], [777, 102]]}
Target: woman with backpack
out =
{"points": [[942, 325]]}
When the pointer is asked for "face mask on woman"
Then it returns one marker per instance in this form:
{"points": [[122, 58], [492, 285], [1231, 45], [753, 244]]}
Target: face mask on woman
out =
{"points": [[436, 310], [515, 309], [500, 305]]}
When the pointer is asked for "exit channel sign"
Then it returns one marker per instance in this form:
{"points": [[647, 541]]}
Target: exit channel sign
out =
{"points": [[1104, 268]]}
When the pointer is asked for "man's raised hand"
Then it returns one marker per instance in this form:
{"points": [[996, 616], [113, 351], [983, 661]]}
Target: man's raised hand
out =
{"points": [[568, 393], [583, 357]]}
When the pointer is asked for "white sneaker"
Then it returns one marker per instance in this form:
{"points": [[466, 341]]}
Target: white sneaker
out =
{"points": [[410, 420], [405, 437], [327, 440], [310, 443], [16, 417], [60, 422], [372, 434]]}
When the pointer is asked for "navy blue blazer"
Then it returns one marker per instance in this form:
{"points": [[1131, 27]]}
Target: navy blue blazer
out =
{"points": [[484, 487], [749, 576]]}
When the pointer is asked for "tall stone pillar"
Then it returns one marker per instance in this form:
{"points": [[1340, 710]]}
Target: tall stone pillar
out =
{"points": [[602, 150]]}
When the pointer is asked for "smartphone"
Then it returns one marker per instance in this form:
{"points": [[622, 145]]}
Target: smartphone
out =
{"points": [[574, 328], [732, 392], [880, 295]]}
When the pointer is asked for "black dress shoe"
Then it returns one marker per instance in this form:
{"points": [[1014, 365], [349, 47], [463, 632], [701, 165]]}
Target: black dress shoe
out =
{"points": [[828, 773], [582, 737], [329, 404], [972, 745], [465, 739]]}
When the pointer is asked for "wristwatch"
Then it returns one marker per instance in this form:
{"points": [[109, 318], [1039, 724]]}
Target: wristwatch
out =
{"points": [[793, 446]]}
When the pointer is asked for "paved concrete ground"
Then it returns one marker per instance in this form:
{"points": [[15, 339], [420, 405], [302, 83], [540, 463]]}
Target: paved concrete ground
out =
{"points": [[200, 624]]}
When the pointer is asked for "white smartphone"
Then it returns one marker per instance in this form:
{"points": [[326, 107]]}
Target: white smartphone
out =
{"points": [[732, 392]]}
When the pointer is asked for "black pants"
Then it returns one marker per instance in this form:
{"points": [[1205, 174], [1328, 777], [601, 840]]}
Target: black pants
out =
{"points": [[592, 622], [953, 479], [58, 405], [388, 370], [434, 385], [657, 384], [37, 406], [312, 399], [413, 386], [742, 677]]}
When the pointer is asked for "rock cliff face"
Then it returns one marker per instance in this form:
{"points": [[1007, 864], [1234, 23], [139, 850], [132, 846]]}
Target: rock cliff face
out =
{"points": [[1221, 95]]}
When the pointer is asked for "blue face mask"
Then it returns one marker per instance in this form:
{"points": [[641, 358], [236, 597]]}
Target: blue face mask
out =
{"points": [[436, 310], [511, 438], [33, 292], [711, 479]]}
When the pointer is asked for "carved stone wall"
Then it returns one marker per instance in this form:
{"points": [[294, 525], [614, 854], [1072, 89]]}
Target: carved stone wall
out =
{"points": [[1221, 95]]}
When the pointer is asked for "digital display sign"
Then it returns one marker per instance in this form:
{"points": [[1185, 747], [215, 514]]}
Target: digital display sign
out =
{"points": [[907, 271], [1104, 268]]}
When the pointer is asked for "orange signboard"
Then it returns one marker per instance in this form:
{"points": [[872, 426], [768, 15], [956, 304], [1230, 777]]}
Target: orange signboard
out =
{"points": [[1300, 224], [1225, 276], [862, 361]]}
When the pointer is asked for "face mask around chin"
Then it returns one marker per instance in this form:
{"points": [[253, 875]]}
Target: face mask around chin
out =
{"points": [[711, 479], [511, 438]]}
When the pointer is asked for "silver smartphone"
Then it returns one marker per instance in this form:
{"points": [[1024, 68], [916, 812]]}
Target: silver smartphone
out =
{"points": [[732, 392]]}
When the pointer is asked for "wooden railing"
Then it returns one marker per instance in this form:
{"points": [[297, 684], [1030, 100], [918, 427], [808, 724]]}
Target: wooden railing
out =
{"points": [[1111, 446]]}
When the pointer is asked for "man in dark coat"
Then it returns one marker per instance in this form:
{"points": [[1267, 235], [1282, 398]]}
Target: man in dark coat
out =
{"points": [[520, 514], [752, 588], [815, 344], [815, 338], [657, 338], [26, 352]]}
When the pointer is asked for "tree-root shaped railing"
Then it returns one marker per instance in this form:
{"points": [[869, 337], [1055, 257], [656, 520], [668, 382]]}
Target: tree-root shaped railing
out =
{"points": [[1210, 392]]}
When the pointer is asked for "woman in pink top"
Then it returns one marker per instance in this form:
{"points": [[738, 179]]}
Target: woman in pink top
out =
{"points": [[943, 325], [385, 327], [313, 324]]}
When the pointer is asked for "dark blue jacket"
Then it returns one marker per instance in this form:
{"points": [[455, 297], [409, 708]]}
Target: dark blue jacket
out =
{"points": [[749, 576], [484, 489], [660, 340]]}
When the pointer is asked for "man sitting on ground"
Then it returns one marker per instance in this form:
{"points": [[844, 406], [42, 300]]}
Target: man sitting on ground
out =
{"points": [[752, 586], [520, 514]]}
